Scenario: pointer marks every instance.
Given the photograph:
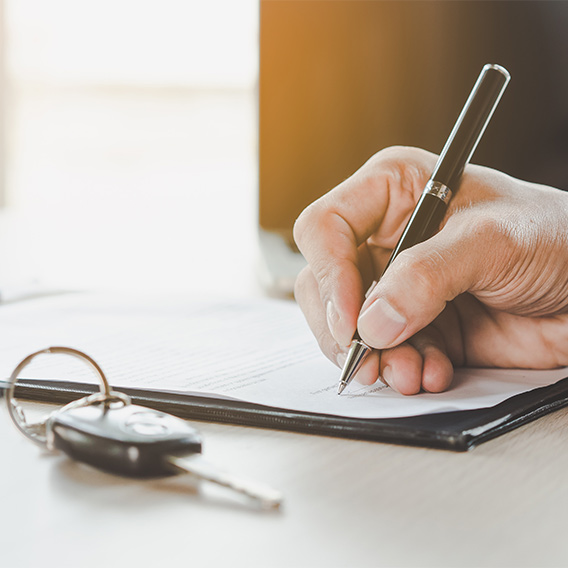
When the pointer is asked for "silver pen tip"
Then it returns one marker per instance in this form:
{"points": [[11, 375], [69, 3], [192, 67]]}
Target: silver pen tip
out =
{"points": [[357, 354]]}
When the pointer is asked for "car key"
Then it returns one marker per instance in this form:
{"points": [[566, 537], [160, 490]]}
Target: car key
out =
{"points": [[136, 441]]}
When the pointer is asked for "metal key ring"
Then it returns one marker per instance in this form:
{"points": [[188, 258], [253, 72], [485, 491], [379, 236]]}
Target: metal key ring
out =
{"points": [[34, 431]]}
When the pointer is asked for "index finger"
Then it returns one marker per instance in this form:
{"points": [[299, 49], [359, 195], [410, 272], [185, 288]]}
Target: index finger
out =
{"points": [[375, 201]]}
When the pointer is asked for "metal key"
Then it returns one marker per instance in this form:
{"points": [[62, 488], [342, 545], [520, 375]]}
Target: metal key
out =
{"points": [[135, 441]]}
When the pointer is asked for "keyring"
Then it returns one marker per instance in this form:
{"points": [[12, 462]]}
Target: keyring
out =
{"points": [[37, 432]]}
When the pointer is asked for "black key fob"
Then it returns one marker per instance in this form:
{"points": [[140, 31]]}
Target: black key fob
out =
{"points": [[127, 440]]}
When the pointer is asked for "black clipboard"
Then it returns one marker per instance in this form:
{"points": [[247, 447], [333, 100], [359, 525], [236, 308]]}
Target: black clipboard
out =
{"points": [[457, 431]]}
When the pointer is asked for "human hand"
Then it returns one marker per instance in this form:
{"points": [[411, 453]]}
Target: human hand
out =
{"points": [[489, 289]]}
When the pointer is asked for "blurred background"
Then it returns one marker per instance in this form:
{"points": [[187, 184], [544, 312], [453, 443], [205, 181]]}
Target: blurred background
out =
{"points": [[146, 141], [341, 79], [130, 143]]}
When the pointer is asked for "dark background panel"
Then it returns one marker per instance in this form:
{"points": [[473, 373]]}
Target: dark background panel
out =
{"points": [[341, 79]]}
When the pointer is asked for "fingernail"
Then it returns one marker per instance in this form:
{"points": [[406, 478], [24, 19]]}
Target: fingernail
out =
{"points": [[381, 324], [340, 359], [332, 318]]}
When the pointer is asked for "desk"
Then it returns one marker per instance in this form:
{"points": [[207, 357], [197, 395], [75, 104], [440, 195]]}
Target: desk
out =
{"points": [[348, 503]]}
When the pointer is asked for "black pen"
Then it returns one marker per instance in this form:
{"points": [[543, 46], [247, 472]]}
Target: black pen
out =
{"points": [[433, 202]]}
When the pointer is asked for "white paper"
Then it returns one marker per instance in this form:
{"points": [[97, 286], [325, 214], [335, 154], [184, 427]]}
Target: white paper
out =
{"points": [[258, 351]]}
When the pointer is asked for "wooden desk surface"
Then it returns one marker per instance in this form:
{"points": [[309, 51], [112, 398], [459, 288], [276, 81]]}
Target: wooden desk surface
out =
{"points": [[348, 503]]}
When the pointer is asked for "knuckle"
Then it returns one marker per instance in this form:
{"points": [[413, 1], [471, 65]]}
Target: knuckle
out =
{"points": [[300, 225], [308, 219], [398, 157], [317, 227], [489, 227], [301, 285], [326, 279]]}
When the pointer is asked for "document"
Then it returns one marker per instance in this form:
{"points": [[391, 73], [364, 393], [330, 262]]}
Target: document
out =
{"points": [[255, 350]]}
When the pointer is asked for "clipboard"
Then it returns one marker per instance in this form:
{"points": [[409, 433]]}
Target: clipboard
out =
{"points": [[455, 431]]}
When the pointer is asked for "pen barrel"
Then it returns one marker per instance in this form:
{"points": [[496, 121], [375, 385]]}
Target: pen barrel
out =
{"points": [[429, 212], [470, 125], [424, 222]]}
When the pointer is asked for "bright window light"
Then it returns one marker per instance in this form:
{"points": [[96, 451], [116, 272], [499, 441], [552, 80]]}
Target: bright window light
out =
{"points": [[131, 143]]}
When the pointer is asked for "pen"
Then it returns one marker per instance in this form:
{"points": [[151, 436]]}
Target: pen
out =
{"points": [[433, 202]]}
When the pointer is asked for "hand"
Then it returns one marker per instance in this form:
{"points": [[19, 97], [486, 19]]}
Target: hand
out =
{"points": [[489, 289]]}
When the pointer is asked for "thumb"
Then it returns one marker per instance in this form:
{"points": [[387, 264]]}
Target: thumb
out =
{"points": [[421, 280]]}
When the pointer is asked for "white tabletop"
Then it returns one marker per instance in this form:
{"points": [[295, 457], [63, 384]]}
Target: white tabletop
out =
{"points": [[347, 503]]}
